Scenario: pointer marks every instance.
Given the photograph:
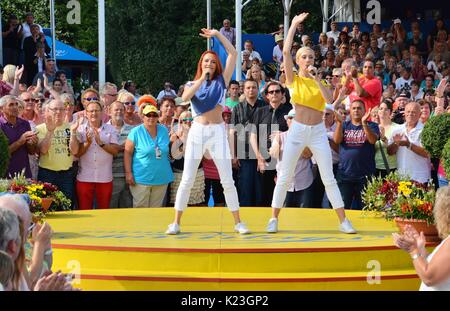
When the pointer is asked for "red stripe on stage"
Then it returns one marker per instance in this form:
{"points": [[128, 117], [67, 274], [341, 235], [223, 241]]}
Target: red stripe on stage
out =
{"points": [[239, 280]]}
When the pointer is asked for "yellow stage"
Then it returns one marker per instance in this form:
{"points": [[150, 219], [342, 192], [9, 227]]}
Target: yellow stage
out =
{"points": [[126, 249]]}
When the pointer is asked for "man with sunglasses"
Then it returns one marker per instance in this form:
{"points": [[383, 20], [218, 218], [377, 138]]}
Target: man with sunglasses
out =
{"points": [[269, 121], [108, 95], [88, 95]]}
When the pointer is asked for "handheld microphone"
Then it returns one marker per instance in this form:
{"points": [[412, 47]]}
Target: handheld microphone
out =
{"points": [[207, 77]]}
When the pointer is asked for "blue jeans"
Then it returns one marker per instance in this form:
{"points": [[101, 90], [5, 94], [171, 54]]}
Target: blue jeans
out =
{"points": [[351, 191], [249, 184], [61, 179], [442, 181]]}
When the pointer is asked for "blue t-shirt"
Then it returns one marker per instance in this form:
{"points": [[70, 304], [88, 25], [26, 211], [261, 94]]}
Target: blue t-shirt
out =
{"points": [[147, 169], [356, 154]]}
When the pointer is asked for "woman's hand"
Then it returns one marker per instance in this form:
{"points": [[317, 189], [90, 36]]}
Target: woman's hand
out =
{"points": [[18, 73], [208, 33], [298, 19], [42, 234], [366, 116]]}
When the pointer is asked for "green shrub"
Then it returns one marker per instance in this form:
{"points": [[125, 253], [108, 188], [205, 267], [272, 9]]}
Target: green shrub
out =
{"points": [[446, 158], [435, 134], [4, 154]]}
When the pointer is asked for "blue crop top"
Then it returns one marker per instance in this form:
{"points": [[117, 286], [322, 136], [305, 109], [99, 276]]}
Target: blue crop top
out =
{"points": [[210, 94]]}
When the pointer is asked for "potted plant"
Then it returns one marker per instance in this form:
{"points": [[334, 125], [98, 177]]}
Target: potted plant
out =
{"points": [[43, 197], [405, 201]]}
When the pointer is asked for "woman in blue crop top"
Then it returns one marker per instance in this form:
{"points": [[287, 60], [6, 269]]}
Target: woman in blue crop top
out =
{"points": [[207, 95], [307, 130]]}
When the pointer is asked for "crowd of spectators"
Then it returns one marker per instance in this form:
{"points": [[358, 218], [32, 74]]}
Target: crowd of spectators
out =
{"points": [[114, 148]]}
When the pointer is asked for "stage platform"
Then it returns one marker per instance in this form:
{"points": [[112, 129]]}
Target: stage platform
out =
{"points": [[127, 249]]}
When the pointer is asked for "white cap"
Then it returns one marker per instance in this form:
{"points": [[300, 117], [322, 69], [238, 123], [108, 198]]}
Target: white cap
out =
{"points": [[290, 114], [397, 21], [329, 107]]}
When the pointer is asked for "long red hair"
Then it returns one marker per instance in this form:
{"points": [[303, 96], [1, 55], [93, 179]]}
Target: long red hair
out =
{"points": [[216, 73]]}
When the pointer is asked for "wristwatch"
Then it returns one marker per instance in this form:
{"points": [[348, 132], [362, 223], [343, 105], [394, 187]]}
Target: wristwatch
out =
{"points": [[415, 256], [102, 145]]}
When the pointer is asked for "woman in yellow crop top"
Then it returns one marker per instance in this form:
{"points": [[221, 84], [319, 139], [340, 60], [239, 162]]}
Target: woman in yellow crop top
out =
{"points": [[308, 129]]}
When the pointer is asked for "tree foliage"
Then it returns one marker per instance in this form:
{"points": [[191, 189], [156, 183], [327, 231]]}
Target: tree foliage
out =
{"points": [[151, 41]]}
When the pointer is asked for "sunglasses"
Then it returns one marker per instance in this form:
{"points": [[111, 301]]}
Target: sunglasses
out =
{"points": [[187, 119], [274, 91], [91, 99], [151, 115], [39, 100], [67, 104], [129, 103]]}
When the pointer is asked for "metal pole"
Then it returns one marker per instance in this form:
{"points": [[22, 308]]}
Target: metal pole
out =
{"points": [[101, 43], [287, 10], [53, 27], [325, 16], [238, 8], [1, 39], [208, 22]]}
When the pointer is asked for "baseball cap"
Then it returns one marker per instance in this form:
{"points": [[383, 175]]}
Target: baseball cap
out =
{"points": [[149, 109], [337, 72], [146, 99], [226, 109], [179, 102], [290, 114], [397, 21], [404, 94], [329, 107]]}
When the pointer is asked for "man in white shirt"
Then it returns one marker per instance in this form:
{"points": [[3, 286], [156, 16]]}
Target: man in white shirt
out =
{"points": [[248, 46], [333, 33], [412, 159]]}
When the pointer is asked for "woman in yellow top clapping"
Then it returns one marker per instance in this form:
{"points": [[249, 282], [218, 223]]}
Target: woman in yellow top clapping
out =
{"points": [[308, 129]]}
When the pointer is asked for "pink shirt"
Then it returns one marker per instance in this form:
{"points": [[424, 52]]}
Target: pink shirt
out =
{"points": [[96, 164]]}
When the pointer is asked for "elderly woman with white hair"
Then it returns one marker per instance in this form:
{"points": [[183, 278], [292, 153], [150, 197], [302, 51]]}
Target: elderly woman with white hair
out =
{"points": [[130, 117], [433, 269]]}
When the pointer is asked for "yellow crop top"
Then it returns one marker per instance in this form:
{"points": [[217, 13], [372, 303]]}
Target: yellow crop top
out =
{"points": [[306, 92]]}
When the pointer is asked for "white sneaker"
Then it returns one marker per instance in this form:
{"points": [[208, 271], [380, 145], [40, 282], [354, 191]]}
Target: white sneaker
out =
{"points": [[346, 227], [272, 226], [173, 229], [241, 228]]}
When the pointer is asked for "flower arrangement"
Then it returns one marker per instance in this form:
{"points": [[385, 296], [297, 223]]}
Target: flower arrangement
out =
{"points": [[399, 197], [37, 192]]}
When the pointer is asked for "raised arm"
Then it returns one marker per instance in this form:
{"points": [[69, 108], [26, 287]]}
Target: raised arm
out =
{"points": [[287, 57], [232, 53]]}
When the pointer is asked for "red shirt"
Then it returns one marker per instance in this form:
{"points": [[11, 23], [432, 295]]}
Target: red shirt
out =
{"points": [[372, 87]]}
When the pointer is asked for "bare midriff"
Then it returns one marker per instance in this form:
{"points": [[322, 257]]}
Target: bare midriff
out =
{"points": [[307, 116], [211, 117]]}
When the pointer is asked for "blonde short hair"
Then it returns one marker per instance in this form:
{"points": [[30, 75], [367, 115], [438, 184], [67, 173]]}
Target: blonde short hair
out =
{"points": [[441, 211], [303, 50], [8, 73]]}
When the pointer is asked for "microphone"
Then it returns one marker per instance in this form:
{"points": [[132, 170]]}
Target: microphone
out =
{"points": [[208, 77]]}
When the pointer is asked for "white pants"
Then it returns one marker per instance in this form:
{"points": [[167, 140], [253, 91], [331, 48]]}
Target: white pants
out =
{"points": [[213, 138], [315, 138]]}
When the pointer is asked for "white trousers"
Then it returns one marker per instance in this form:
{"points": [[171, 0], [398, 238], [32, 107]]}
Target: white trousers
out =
{"points": [[315, 138], [212, 137]]}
